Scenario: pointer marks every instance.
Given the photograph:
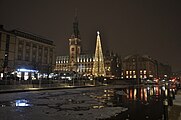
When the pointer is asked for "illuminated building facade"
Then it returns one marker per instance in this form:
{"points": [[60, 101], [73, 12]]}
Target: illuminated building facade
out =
{"points": [[144, 67], [82, 63], [74, 46], [25, 53]]}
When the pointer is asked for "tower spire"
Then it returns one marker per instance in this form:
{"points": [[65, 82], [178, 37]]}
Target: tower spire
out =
{"points": [[76, 32], [74, 45], [98, 66]]}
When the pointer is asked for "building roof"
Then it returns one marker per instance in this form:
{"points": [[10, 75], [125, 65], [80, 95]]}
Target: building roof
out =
{"points": [[27, 35], [32, 36]]}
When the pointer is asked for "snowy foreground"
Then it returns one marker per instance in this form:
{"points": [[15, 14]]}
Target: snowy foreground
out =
{"points": [[68, 104]]}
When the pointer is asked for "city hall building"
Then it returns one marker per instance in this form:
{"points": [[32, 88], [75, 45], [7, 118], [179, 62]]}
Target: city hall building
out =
{"points": [[109, 64], [26, 55]]}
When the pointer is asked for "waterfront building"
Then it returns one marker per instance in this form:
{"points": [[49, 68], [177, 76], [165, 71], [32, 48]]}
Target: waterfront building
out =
{"points": [[113, 65], [25, 54], [144, 67]]}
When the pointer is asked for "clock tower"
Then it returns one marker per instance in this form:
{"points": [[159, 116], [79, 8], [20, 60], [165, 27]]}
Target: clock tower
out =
{"points": [[74, 46]]}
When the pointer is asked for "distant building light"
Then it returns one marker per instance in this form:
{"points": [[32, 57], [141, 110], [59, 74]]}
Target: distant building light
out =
{"points": [[134, 76], [1, 75], [150, 75], [26, 70]]}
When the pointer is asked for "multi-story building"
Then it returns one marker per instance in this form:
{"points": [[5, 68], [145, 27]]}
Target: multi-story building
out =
{"points": [[163, 71], [113, 64], [7, 51], [144, 67], [82, 63], [25, 53]]}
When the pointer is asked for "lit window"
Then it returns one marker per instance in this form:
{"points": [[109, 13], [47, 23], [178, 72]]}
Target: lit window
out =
{"points": [[130, 72], [134, 76], [150, 75], [130, 76], [126, 72], [133, 72], [126, 76], [144, 71], [145, 76], [141, 76], [141, 71]]}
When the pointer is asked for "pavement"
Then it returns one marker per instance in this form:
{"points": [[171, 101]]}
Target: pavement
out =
{"points": [[28, 89], [40, 89]]}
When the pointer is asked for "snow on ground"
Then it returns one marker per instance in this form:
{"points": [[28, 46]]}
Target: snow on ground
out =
{"points": [[68, 104]]}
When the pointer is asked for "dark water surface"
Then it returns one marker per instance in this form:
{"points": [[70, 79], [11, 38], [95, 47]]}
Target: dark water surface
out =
{"points": [[143, 103]]}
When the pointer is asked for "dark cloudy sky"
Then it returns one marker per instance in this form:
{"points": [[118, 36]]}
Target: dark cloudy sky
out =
{"points": [[151, 27]]}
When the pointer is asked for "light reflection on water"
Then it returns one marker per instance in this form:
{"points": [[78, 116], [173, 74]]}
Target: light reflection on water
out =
{"points": [[22, 103], [15, 103], [143, 103]]}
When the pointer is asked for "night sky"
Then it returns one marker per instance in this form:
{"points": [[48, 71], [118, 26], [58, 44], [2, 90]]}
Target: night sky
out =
{"points": [[151, 27]]}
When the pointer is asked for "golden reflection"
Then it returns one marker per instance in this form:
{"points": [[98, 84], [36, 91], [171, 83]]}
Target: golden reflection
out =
{"points": [[141, 94], [127, 93], [157, 91], [131, 94], [151, 91], [135, 91], [145, 94], [166, 92], [97, 106]]}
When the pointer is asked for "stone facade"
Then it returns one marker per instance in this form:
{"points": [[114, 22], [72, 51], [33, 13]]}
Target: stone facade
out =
{"points": [[19, 49]]}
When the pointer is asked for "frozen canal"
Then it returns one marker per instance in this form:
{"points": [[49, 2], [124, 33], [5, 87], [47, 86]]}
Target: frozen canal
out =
{"points": [[68, 104], [106, 102]]}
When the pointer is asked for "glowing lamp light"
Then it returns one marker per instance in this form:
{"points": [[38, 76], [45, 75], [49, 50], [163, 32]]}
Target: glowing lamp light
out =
{"points": [[26, 70]]}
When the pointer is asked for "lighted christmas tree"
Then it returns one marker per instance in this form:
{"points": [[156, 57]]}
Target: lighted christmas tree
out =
{"points": [[98, 66]]}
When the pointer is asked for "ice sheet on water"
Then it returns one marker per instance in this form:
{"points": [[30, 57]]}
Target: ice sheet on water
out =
{"points": [[71, 104]]}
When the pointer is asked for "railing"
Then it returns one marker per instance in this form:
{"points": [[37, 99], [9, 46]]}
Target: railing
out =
{"points": [[44, 84]]}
